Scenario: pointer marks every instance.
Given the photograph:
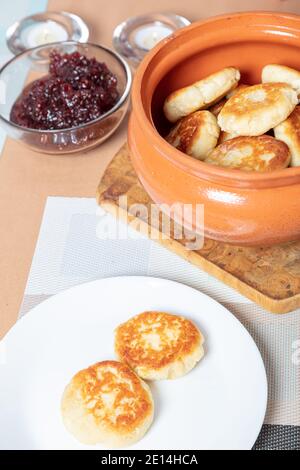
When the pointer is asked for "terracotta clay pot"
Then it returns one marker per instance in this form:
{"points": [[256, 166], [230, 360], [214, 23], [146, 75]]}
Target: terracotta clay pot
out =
{"points": [[244, 208]]}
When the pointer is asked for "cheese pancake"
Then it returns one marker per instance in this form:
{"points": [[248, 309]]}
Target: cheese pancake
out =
{"points": [[159, 345], [196, 134], [281, 73], [107, 403], [262, 153], [257, 109], [201, 94], [289, 132]]}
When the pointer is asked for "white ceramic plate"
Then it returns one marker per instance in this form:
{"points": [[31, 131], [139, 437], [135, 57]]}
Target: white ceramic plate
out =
{"points": [[219, 405]]}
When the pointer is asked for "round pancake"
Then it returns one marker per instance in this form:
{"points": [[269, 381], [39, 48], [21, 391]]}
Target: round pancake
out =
{"points": [[159, 345], [289, 132], [196, 134], [262, 153], [107, 403], [281, 73], [201, 94], [258, 108]]}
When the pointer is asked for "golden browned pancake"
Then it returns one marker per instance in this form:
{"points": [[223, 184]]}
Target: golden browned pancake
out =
{"points": [[289, 132], [201, 94], [107, 403], [255, 110], [262, 153], [158, 345], [281, 73], [195, 134]]}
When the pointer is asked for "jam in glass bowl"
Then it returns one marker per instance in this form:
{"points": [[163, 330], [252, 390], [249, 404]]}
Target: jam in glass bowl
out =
{"points": [[64, 97]]}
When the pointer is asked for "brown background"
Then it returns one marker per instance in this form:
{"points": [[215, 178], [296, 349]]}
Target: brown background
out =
{"points": [[27, 178]]}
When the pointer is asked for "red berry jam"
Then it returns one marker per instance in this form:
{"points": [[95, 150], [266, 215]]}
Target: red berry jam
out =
{"points": [[76, 91]]}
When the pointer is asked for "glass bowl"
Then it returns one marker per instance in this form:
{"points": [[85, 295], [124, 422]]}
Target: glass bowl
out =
{"points": [[33, 64]]}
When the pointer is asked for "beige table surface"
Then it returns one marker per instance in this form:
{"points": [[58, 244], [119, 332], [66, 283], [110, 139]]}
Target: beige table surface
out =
{"points": [[27, 178]]}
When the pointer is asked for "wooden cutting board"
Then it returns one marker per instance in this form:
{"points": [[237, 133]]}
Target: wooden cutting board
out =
{"points": [[270, 276]]}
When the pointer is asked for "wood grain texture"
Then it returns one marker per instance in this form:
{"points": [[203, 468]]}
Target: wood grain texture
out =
{"points": [[270, 276]]}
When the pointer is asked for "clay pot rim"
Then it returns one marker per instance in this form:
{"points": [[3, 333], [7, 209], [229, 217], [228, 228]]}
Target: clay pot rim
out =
{"points": [[213, 173]]}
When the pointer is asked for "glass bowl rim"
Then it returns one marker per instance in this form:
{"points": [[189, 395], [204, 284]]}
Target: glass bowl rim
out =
{"points": [[122, 99]]}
